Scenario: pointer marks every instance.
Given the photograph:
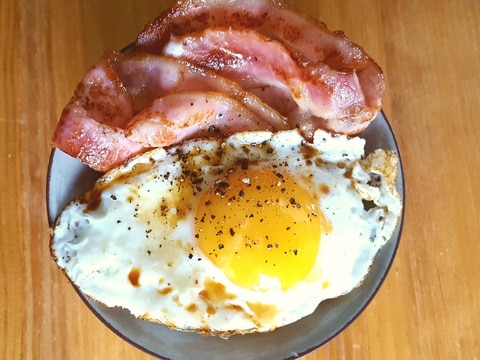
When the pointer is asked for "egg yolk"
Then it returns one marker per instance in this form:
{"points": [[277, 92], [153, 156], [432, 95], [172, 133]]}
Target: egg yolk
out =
{"points": [[258, 226]]}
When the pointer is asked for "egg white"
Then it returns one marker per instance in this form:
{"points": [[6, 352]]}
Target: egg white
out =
{"points": [[130, 242]]}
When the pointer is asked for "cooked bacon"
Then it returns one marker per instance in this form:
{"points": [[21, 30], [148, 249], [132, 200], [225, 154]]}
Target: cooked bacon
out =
{"points": [[122, 87], [285, 70], [90, 125], [100, 146], [303, 35], [176, 117], [254, 61], [103, 95], [148, 76]]}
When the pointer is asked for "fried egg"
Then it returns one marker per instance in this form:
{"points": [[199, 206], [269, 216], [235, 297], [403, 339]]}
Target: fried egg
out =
{"points": [[228, 236]]}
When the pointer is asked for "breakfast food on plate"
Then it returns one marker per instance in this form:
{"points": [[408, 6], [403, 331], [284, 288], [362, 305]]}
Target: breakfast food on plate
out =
{"points": [[354, 82], [310, 78], [235, 197], [119, 97], [235, 235], [263, 65]]}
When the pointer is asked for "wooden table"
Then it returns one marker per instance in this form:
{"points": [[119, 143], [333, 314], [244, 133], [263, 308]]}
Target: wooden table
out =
{"points": [[429, 306]]}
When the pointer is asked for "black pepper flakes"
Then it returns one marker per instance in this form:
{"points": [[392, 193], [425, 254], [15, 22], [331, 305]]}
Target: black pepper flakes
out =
{"points": [[213, 129], [220, 192], [222, 184], [197, 181]]}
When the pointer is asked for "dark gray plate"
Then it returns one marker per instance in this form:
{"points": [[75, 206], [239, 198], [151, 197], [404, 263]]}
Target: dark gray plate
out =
{"points": [[67, 178]]}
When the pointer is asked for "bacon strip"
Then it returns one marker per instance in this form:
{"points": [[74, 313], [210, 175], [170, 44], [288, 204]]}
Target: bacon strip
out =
{"points": [[254, 61], [301, 34], [100, 146], [90, 126], [176, 117], [97, 127], [148, 76]]}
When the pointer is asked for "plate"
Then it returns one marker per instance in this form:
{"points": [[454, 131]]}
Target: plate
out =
{"points": [[68, 178]]}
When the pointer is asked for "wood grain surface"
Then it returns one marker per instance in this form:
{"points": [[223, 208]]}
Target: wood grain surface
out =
{"points": [[429, 305]]}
